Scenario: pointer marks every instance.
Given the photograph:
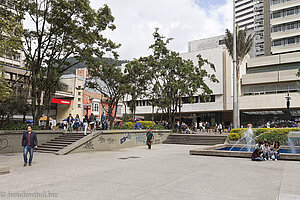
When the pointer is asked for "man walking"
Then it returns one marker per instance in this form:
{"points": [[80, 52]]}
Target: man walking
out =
{"points": [[150, 138], [29, 142]]}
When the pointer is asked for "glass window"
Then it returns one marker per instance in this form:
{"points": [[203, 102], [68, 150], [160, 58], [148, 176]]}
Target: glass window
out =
{"points": [[79, 93], [290, 12], [282, 87], [277, 43], [291, 40], [276, 14], [79, 105], [79, 99]]}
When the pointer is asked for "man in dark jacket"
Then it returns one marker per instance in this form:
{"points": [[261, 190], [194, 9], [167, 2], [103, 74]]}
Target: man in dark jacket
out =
{"points": [[29, 142]]}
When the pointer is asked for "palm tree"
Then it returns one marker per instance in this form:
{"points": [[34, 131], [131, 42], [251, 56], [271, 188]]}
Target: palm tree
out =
{"points": [[244, 43]]}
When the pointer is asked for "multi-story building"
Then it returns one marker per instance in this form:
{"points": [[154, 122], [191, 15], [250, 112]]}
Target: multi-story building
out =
{"points": [[255, 15], [275, 23], [70, 100], [265, 86], [211, 108], [285, 26], [265, 83]]}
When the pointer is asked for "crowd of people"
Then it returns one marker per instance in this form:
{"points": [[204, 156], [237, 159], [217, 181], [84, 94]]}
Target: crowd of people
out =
{"points": [[72, 124], [266, 151], [201, 126]]}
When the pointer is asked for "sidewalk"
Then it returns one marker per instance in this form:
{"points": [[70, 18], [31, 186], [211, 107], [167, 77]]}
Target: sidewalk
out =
{"points": [[165, 172]]}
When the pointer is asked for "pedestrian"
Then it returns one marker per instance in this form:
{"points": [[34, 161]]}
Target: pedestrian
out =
{"points": [[92, 122], [195, 126], [220, 128], [150, 138], [70, 121], [85, 123], [103, 120], [201, 126], [207, 125], [268, 124], [77, 123], [29, 142]]}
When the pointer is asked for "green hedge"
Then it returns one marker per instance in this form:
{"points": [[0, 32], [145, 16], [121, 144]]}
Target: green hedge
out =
{"points": [[270, 134], [145, 124], [20, 126]]}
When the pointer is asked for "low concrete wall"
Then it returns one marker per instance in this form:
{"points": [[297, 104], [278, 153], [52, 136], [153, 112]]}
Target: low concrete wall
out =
{"points": [[113, 139], [11, 141]]}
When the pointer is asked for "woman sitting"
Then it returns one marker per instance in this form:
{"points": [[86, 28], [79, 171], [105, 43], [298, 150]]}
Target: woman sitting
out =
{"points": [[275, 152], [267, 151], [257, 155]]}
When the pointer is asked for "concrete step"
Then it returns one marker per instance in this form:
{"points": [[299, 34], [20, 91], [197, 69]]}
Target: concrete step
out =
{"points": [[55, 142], [52, 146], [195, 139], [60, 142], [63, 140]]}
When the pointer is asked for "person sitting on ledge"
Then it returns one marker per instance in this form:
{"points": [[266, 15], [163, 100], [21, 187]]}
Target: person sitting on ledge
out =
{"points": [[257, 155], [275, 152]]}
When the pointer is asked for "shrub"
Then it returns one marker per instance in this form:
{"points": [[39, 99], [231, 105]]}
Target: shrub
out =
{"points": [[234, 136], [145, 124], [264, 134], [20, 126]]}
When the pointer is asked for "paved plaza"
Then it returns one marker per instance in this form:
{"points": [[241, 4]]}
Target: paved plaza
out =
{"points": [[165, 172]]}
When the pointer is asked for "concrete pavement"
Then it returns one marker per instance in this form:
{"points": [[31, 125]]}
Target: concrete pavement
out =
{"points": [[165, 172]]}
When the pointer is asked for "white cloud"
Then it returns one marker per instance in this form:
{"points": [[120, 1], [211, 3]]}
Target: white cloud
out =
{"points": [[182, 20]]}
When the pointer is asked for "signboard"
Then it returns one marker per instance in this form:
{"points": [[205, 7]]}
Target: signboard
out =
{"points": [[61, 101]]}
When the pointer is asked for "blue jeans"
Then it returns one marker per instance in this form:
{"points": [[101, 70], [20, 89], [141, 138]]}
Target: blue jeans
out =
{"points": [[267, 154], [26, 150], [257, 159], [70, 127]]}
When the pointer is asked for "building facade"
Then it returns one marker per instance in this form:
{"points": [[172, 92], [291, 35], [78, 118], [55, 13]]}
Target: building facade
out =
{"points": [[285, 26]]}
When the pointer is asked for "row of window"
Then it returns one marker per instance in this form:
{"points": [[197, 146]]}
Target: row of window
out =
{"points": [[274, 2], [244, 9], [271, 88], [246, 19], [273, 68], [246, 3], [185, 100], [286, 41], [285, 27], [286, 12]]}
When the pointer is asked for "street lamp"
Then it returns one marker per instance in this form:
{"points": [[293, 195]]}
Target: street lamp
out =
{"points": [[288, 103]]}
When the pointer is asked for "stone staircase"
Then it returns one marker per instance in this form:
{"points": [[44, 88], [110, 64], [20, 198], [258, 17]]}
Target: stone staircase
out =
{"points": [[59, 143], [196, 139]]}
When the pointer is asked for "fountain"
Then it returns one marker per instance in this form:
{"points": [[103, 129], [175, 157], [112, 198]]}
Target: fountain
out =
{"points": [[248, 136], [291, 138]]}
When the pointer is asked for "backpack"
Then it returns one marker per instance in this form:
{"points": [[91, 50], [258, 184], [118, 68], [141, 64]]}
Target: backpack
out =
{"points": [[149, 136]]}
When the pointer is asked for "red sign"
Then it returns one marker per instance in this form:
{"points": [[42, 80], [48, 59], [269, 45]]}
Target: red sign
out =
{"points": [[61, 101]]}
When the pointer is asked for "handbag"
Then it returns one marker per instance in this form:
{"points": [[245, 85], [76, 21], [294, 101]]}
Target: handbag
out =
{"points": [[273, 157]]}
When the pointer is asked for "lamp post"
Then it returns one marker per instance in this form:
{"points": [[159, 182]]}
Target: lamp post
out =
{"points": [[288, 103]]}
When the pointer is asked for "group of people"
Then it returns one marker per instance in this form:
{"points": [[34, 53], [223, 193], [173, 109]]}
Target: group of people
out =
{"points": [[88, 122], [265, 151]]}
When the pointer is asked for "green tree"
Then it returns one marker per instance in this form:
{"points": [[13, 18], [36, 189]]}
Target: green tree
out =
{"points": [[62, 29], [11, 30], [138, 80], [174, 77], [107, 78]]}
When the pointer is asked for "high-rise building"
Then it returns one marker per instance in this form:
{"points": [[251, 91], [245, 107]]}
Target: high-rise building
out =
{"points": [[275, 23], [255, 15], [285, 26]]}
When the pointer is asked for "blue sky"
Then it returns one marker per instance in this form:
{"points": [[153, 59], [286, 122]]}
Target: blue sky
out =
{"points": [[210, 3]]}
